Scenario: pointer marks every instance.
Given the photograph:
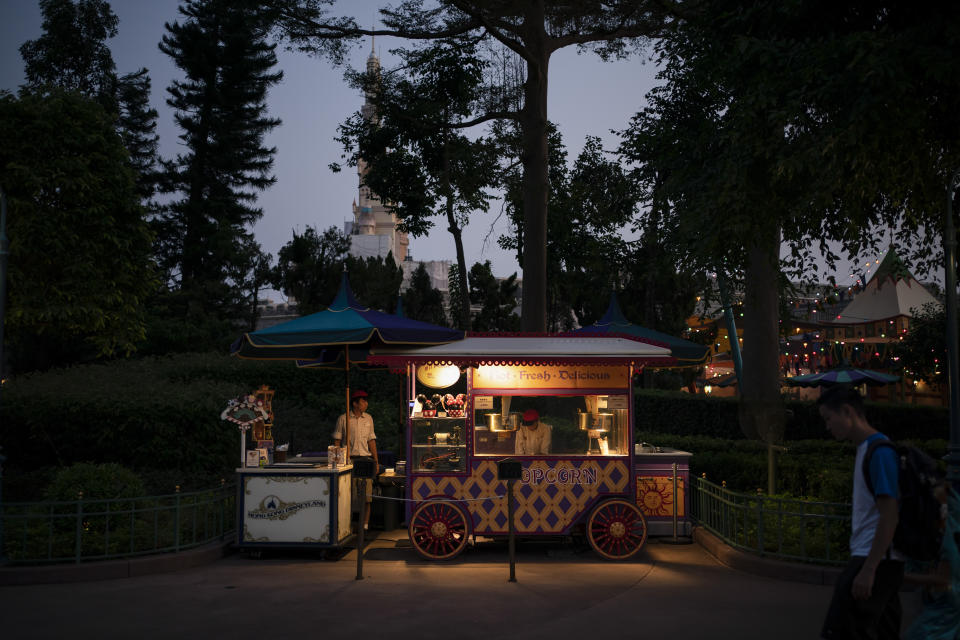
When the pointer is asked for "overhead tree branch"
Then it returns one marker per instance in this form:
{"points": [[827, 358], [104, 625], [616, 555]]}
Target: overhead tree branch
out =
{"points": [[495, 29]]}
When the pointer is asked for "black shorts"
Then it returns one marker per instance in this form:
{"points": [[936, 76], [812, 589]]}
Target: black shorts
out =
{"points": [[876, 617]]}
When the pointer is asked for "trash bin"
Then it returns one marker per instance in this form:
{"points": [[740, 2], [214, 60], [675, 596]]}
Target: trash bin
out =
{"points": [[391, 506]]}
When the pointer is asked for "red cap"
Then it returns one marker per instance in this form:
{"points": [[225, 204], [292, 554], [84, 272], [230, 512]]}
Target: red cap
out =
{"points": [[530, 416], [359, 393]]}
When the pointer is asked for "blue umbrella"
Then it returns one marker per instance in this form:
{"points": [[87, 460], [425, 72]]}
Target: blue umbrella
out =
{"points": [[344, 324], [334, 358], [843, 375], [687, 354]]}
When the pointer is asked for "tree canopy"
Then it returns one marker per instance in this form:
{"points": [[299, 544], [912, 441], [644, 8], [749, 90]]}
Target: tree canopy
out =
{"points": [[410, 154], [79, 267], [208, 252], [527, 33], [72, 52], [801, 121]]}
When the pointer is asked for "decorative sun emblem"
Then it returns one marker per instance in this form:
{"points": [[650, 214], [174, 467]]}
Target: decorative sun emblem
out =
{"points": [[656, 496]]}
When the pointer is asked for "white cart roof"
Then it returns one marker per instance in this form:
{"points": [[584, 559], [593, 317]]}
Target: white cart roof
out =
{"points": [[528, 350]]}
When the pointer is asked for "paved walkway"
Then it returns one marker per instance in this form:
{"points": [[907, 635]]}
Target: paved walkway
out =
{"points": [[667, 591]]}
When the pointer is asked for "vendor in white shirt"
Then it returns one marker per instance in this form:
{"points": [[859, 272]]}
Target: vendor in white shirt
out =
{"points": [[363, 440], [533, 437]]}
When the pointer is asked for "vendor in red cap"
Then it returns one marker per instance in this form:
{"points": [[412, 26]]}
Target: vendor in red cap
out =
{"points": [[363, 440], [533, 437]]}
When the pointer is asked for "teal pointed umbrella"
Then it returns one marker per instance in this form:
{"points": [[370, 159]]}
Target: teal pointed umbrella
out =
{"points": [[345, 323], [852, 376], [614, 323]]}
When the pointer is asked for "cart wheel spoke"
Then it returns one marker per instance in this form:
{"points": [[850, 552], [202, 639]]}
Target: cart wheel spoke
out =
{"points": [[438, 530], [616, 529]]}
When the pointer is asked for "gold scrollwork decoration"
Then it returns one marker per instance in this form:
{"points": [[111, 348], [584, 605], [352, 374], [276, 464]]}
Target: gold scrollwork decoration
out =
{"points": [[248, 537]]}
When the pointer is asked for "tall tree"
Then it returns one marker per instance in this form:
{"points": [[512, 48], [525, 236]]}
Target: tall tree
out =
{"points": [[459, 303], [789, 120], [79, 266], [413, 157], [497, 299], [375, 281], [221, 47], [309, 267], [422, 301], [532, 31], [72, 53], [137, 124]]}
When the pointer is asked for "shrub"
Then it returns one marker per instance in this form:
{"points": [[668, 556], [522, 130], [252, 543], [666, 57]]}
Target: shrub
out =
{"points": [[97, 481], [161, 415], [815, 469], [677, 412]]}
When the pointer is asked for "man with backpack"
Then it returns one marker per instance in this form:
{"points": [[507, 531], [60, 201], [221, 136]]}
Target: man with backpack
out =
{"points": [[866, 602]]}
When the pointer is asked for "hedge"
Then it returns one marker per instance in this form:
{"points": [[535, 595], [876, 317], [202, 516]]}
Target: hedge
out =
{"points": [[817, 469], [687, 414], [161, 416]]}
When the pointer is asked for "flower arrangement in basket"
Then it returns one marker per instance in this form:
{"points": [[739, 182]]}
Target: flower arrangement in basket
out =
{"points": [[454, 405], [245, 411]]}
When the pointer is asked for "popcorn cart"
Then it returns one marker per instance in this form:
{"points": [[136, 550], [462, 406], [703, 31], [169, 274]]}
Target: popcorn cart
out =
{"points": [[563, 408]]}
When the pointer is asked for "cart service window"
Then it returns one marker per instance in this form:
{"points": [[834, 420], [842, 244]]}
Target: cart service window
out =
{"points": [[565, 425]]}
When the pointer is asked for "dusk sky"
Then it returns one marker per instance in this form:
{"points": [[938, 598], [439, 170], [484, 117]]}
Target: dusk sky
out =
{"points": [[587, 97]]}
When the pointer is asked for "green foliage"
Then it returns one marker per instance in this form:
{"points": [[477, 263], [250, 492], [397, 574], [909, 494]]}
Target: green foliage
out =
{"points": [[497, 299], [207, 250], [375, 281], [459, 303], [161, 416], [309, 267], [137, 123], [410, 149], [92, 529], [923, 351], [107, 481], [72, 55], [519, 39], [421, 301], [72, 52], [673, 412], [79, 266]]}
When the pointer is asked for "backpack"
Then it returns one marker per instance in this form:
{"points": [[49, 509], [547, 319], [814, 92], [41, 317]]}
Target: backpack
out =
{"points": [[918, 533]]}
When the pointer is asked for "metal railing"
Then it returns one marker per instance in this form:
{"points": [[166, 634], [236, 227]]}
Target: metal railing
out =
{"points": [[785, 528], [82, 530]]}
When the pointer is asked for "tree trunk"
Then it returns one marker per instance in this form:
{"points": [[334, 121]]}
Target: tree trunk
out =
{"points": [[651, 243], [533, 122], [457, 234], [761, 407]]}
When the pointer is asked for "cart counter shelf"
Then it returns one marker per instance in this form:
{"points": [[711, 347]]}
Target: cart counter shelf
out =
{"points": [[293, 504]]}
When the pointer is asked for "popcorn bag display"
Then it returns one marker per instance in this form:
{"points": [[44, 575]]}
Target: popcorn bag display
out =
{"points": [[336, 456]]}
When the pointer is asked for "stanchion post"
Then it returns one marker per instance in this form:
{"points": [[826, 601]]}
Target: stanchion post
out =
{"points": [[511, 471], [675, 502], [513, 540], [363, 517], [362, 470]]}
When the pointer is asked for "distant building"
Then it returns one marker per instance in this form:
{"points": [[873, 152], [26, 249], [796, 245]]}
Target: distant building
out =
{"points": [[438, 270], [373, 231], [270, 313]]}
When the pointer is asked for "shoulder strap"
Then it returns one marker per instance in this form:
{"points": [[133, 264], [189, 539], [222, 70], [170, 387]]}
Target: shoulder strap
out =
{"points": [[882, 442]]}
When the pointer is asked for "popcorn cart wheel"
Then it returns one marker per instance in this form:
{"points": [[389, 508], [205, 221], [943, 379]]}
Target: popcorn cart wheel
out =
{"points": [[616, 529], [439, 529]]}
